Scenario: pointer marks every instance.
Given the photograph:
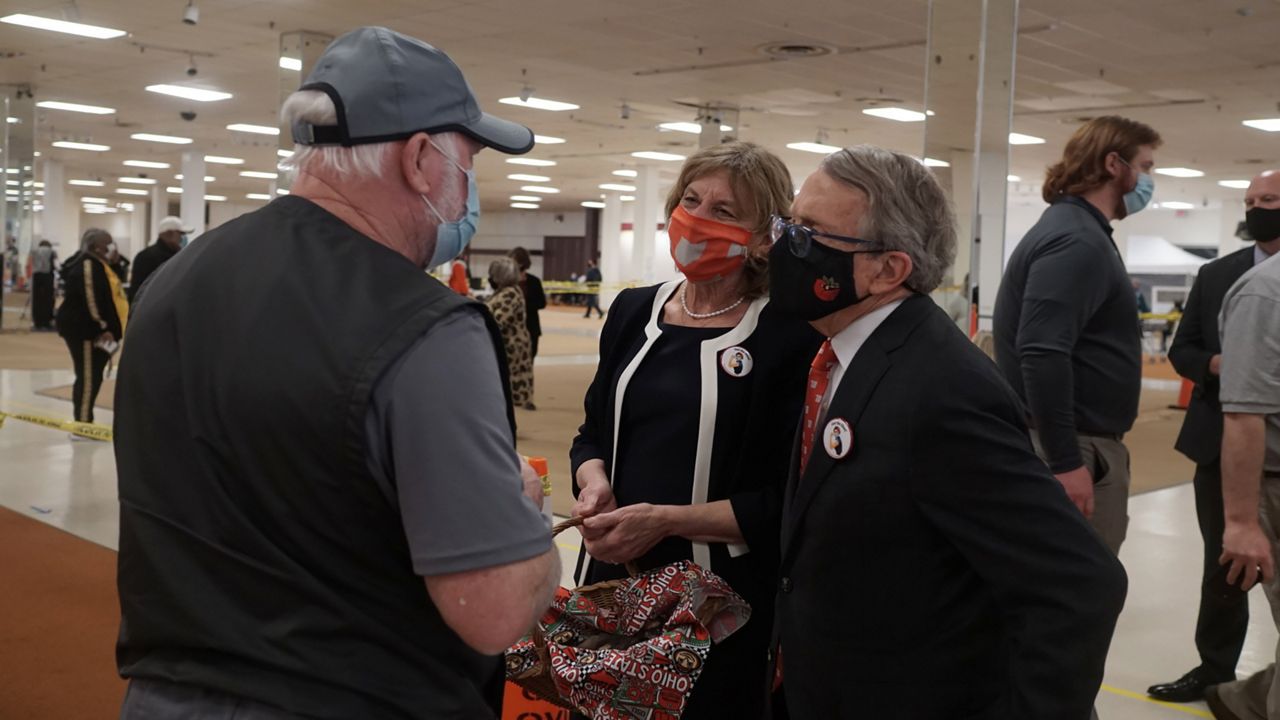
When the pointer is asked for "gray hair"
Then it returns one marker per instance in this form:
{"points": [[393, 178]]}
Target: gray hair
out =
{"points": [[504, 272], [360, 162], [908, 210], [93, 236]]}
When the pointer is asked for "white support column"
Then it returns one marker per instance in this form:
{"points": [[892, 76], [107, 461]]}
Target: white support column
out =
{"points": [[193, 191], [614, 258], [159, 209], [648, 206], [63, 234], [137, 228]]}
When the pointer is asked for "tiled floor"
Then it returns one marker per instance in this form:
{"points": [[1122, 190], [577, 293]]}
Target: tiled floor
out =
{"points": [[72, 485]]}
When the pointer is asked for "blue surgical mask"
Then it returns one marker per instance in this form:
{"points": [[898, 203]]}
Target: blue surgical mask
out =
{"points": [[453, 236], [1140, 196], [182, 241]]}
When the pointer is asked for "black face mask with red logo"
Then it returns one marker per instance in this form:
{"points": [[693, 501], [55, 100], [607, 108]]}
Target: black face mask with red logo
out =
{"points": [[814, 286]]}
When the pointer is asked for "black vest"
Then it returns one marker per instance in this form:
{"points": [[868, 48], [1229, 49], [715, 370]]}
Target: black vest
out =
{"points": [[258, 555]]}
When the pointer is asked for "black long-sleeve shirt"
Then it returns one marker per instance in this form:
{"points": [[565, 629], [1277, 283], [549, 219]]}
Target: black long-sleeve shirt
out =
{"points": [[1066, 330]]}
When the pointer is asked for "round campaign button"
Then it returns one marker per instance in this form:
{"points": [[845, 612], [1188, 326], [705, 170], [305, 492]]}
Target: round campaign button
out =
{"points": [[837, 438], [736, 361]]}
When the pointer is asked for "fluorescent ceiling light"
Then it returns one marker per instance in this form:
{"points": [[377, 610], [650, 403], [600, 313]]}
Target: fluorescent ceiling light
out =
{"points": [[93, 201], [258, 174], [71, 145], [216, 198], [1235, 184], [1020, 139], [189, 93], [1177, 205], [529, 178], [626, 173], [282, 191], [539, 104], [15, 183], [256, 129], [1180, 172], [12, 171], [525, 206], [1268, 124], [547, 140], [627, 198], [147, 164], [170, 139], [174, 190], [71, 28], [592, 204], [814, 147], [526, 198], [132, 191], [284, 153], [13, 120], [651, 155], [618, 186], [85, 183], [72, 107], [219, 160], [126, 206], [895, 113], [258, 196], [288, 63], [539, 189], [692, 128], [1014, 178], [931, 162], [532, 162], [207, 178], [138, 180]]}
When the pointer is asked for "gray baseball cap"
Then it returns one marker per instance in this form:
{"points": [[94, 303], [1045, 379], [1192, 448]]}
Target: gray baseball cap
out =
{"points": [[387, 86]]}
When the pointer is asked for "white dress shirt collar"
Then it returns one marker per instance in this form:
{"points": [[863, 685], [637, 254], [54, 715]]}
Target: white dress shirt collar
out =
{"points": [[850, 340], [1259, 254]]}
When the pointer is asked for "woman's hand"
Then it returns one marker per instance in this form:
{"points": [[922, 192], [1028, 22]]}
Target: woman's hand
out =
{"points": [[596, 493], [624, 534]]}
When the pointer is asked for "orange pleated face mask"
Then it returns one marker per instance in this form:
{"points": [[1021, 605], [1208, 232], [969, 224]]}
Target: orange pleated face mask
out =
{"points": [[705, 249]]}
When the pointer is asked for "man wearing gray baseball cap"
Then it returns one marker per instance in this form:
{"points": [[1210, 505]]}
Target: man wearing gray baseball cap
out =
{"points": [[322, 513]]}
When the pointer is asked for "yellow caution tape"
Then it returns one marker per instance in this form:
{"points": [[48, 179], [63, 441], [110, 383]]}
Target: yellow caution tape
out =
{"points": [[92, 431], [560, 287], [1171, 317]]}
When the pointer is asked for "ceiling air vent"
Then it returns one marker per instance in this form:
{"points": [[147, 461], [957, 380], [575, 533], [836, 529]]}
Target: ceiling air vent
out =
{"points": [[792, 51]]}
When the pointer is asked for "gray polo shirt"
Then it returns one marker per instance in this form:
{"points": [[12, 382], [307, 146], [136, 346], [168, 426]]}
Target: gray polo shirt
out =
{"points": [[1250, 323]]}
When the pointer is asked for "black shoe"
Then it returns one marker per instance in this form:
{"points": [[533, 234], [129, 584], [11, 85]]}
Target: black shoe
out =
{"points": [[1188, 688], [1219, 710]]}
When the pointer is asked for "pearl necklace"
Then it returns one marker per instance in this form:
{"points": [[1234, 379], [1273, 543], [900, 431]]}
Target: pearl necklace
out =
{"points": [[703, 316]]}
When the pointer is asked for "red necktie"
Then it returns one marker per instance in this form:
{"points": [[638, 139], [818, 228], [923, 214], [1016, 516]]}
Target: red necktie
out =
{"points": [[819, 378]]}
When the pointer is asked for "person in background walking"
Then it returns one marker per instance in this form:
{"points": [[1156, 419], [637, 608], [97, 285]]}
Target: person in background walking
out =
{"points": [[43, 261], [92, 317], [507, 305], [534, 299], [593, 280], [171, 237]]}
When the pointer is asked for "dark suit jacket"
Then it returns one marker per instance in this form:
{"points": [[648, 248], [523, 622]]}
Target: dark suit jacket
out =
{"points": [[535, 299], [147, 262], [1195, 345], [938, 571]]}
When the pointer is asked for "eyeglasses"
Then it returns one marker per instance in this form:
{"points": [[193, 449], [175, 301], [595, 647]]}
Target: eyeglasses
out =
{"points": [[800, 238]]}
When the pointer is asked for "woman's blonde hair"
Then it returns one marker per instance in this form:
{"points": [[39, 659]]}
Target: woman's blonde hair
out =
{"points": [[762, 187]]}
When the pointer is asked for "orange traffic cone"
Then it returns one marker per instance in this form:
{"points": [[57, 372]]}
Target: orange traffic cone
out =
{"points": [[1184, 395]]}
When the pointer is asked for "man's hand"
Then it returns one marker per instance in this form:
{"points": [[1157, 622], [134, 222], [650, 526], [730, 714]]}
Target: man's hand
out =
{"points": [[532, 483], [624, 534], [1248, 549], [1215, 365], [1079, 486]]}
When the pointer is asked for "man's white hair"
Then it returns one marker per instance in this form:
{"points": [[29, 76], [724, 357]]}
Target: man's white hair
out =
{"points": [[360, 162]]}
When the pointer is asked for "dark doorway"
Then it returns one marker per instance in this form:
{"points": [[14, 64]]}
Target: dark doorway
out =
{"points": [[565, 256]]}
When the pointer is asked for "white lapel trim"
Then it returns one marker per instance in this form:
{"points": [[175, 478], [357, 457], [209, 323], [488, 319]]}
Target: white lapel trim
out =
{"points": [[652, 331]]}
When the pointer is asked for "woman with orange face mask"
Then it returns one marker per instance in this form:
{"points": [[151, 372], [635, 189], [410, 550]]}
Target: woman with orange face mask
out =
{"points": [[690, 419]]}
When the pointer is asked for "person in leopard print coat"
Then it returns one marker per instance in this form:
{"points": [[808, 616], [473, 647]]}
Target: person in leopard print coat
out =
{"points": [[507, 306]]}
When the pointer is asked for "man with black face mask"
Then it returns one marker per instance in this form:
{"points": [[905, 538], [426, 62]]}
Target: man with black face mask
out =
{"points": [[922, 538], [1196, 354]]}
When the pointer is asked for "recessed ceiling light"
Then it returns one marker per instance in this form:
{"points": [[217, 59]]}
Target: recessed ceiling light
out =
{"points": [[1268, 124], [138, 180], [692, 128], [1177, 205], [147, 164], [525, 206], [170, 139], [529, 178], [189, 93], [526, 198], [651, 155], [132, 191], [14, 183], [1014, 178], [219, 160], [71, 28], [547, 140], [288, 63], [258, 174], [216, 198], [592, 204], [258, 196], [72, 107], [618, 186], [86, 183], [1020, 139], [255, 129], [1180, 172], [72, 145], [1235, 184], [895, 113], [207, 178], [539, 189], [539, 104], [174, 190], [126, 206], [93, 200], [931, 162], [13, 120], [814, 147], [282, 191], [284, 153], [626, 173], [532, 162], [627, 198]]}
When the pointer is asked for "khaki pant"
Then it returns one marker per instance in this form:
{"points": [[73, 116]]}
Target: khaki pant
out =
{"points": [[1258, 697], [1108, 459]]}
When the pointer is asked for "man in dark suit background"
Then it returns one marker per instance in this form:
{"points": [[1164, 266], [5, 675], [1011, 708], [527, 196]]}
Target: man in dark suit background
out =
{"points": [[1196, 354], [932, 568]]}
